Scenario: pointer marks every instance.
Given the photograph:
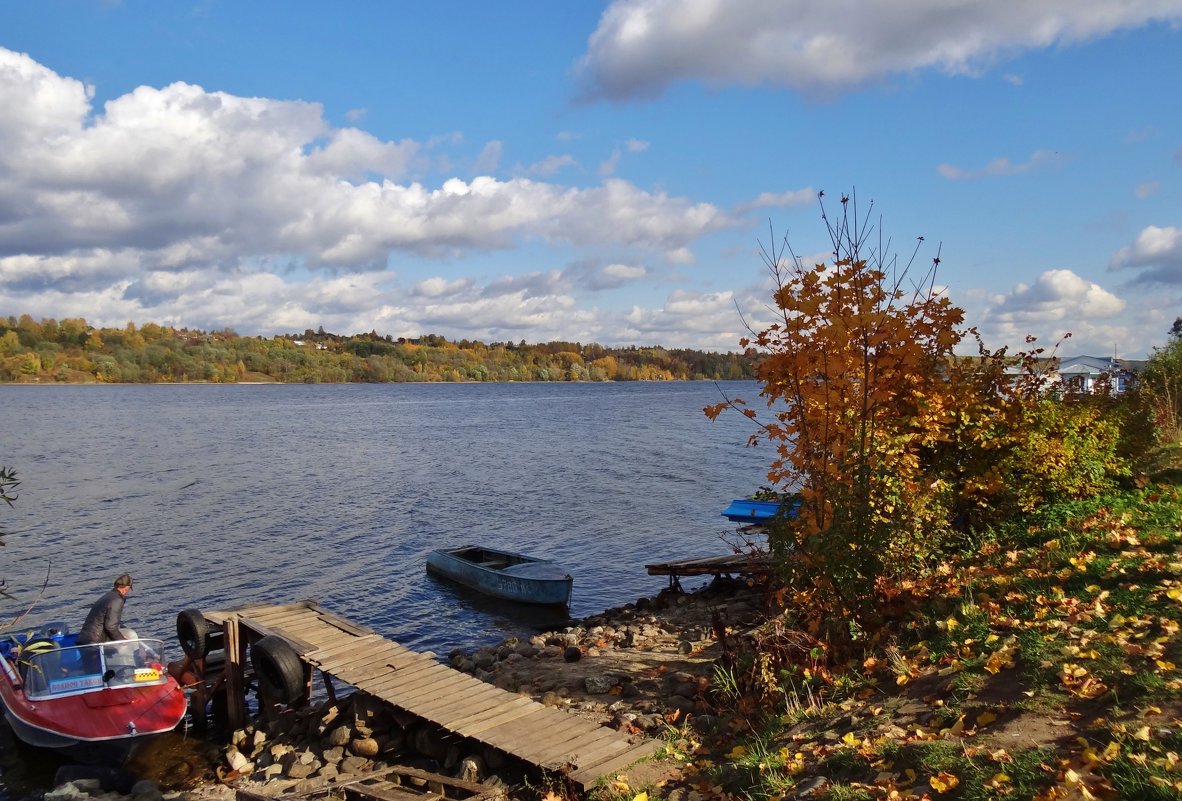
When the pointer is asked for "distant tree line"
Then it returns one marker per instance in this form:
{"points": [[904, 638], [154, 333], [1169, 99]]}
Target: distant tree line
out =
{"points": [[71, 351]]}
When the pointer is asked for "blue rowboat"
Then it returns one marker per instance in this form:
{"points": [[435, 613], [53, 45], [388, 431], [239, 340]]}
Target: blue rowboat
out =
{"points": [[503, 574], [758, 513]]}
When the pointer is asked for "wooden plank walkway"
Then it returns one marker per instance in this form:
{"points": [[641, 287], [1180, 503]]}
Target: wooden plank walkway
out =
{"points": [[419, 684]]}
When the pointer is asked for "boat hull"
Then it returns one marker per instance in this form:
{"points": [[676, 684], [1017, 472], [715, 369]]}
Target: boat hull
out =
{"points": [[523, 579], [757, 513], [91, 711]]}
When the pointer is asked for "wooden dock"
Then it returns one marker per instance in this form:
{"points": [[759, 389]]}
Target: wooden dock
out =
{"points": [[740, 564], [419, 684]]}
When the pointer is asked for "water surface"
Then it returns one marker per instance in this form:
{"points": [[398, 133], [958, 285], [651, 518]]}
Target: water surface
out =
{"points": [[214, 496]]}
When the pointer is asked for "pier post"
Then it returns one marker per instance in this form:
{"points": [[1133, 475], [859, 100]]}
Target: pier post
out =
{"points": [[235, 689]]}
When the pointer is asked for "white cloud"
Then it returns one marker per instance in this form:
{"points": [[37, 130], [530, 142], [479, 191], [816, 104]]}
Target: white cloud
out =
{"points": [[551, 165], [624, 272], [439, 287], [1057, 303], [489, 159], [642, 46], [1001, 166], [1157, 248], [177, 173], [608, 166], [707, 318], [203, 209], [594, 277], [1059, 295], [765, 200], [1013, 79]]}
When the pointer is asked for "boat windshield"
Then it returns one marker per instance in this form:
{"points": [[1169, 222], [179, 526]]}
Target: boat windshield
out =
{"points": [[85, 668]]}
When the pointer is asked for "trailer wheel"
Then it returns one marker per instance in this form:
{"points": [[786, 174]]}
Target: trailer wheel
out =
{"points": [[193, 632], [278, 670]]}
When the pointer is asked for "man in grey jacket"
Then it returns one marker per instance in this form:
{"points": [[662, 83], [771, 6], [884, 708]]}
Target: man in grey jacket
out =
{"points": [[106, 616]]}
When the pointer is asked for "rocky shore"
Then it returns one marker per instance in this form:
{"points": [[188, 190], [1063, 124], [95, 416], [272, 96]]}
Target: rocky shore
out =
{"points": [[639, 668]]}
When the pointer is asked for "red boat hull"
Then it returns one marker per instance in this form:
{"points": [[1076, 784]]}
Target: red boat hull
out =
{"points": [[105, 723]]}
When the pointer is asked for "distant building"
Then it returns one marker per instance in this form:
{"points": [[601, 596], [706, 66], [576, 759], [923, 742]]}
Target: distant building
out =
{"points": [[1087, 374]]}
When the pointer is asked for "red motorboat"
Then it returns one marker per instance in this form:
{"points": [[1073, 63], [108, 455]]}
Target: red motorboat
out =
{"points": [[93, 702]]}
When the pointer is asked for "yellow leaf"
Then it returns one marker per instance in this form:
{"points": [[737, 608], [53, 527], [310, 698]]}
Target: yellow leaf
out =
{"points": [[1142, 734], [999, 779], [849, 738], [955, 730], [737, 751], [1174, 593], [985, 718], [641, 796], [943, 781]]}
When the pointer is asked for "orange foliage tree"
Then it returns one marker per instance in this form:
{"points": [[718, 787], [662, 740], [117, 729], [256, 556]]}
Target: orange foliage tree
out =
{"points": [[887, 436]]}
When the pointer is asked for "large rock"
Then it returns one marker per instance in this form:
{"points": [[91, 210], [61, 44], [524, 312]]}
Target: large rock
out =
{"points": [[364, 747], [236, 759], [340, 736], [598, 685], [302, 770], [355, 764], [428, 741], [472, 769]]}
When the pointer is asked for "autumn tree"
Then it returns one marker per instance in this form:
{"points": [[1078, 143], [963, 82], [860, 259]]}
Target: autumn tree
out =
{"points": [[1161, 383], [887, 436]]}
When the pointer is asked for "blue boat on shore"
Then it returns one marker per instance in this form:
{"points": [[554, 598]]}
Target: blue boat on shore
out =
{"points": [[503, 574], [758, 513]]}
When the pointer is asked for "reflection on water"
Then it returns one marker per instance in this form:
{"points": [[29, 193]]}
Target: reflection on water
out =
{"points": [[214, 496], [502, 619]]}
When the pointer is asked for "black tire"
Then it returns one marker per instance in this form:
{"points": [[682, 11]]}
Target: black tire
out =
{"points": [[193, 632], [278, 671]]}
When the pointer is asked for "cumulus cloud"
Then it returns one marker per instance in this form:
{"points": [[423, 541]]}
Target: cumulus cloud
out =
{"points": [[1156, 248], [597, 277], [709, 318], [203, 209], [642, 46], [765, 200], [1001, 166], [178, 173], [437, 287], [1057, 303], [1059, 295]]}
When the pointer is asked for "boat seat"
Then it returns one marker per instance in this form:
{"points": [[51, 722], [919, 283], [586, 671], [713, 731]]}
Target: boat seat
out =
{"points": [[493, 564]]}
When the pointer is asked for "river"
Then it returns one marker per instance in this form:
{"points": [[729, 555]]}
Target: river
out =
{"points": [[213, 496]]}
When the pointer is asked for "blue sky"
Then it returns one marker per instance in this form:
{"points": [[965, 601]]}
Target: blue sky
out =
{"points": [[594, 171]]}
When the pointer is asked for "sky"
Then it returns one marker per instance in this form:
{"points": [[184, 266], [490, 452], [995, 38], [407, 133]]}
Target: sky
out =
{"points": [[587, 171]]}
